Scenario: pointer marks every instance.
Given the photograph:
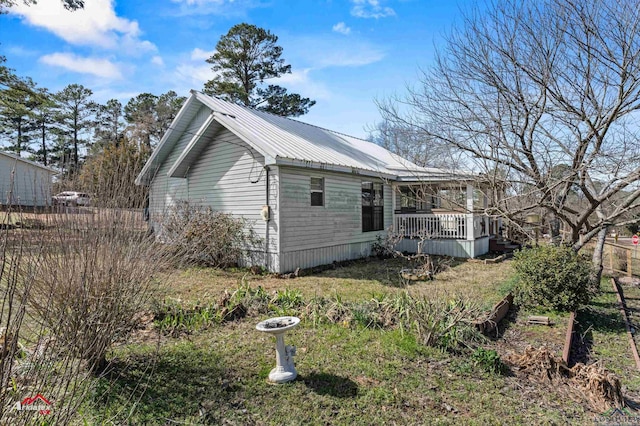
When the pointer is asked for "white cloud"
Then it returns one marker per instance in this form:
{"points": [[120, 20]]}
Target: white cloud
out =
{"points": [[21, 51], [370, 9], [201, 55], [226, 8], [324, 52], [194, 75], [95, 25], [95, 66], [298, 81], [341, 28], [157, 60]]}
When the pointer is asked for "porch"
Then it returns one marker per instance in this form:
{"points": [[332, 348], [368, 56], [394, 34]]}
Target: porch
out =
{"points": [[456, 226], [443, 218]]}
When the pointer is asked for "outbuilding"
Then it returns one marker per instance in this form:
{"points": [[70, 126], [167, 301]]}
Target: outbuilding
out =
{"points": [[24, 183]]}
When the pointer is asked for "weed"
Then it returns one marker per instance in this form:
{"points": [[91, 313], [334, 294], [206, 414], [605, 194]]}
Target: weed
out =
{"points": [[488, 360], [447, 324], [174, 318], [286, 302]]}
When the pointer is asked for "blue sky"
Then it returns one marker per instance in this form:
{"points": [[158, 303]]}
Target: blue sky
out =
{"points": [[343, 53]]}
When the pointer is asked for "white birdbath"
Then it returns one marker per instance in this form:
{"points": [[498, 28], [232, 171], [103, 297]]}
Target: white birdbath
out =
{"points": [[284, 371]]}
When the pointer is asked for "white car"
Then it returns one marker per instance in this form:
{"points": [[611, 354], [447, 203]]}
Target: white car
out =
{"points": [[72, 198]]}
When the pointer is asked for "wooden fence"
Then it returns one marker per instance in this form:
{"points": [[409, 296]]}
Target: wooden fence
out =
{"points": [[621, 259]]}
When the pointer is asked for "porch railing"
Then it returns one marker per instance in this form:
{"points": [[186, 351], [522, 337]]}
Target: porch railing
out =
{"points": [[446, 225], [432, 226]]}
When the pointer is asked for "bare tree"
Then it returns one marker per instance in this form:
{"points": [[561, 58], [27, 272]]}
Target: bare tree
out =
{"points": [[406, 141], [545, 96]]}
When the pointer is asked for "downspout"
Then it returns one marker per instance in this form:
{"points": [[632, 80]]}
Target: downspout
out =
{"points": [[267, 219]]}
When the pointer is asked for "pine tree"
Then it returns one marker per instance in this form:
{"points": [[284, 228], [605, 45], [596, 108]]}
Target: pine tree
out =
{"points": [[245, 57]]}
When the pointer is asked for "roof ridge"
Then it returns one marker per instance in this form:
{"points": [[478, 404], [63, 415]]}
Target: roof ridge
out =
{"points": [[25, 160], [287, 118]]}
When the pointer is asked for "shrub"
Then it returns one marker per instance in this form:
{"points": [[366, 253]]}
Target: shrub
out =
{"points": [[385, 245], [554, 277], [93, 282], [198, 235]]}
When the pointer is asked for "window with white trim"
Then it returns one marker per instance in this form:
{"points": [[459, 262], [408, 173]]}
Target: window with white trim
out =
{"points": [[372, 207], [317, 191]]}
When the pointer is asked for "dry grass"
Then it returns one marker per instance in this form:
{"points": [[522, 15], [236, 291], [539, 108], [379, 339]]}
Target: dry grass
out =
{"points": [[357, 281], [74, 216]]}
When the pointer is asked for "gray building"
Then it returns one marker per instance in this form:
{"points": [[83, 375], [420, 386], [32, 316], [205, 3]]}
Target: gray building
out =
{"points": [[314, 196], [23, 182]]}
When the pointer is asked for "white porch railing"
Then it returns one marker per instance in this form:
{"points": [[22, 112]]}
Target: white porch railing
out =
{"points": [[445, 225]]}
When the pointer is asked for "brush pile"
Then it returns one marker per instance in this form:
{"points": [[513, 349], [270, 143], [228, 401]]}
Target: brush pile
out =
{"points": [[592, 383]]}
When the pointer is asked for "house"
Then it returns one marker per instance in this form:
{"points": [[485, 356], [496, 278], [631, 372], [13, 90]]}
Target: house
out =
{"points": [[314, 196], [23, 182]]}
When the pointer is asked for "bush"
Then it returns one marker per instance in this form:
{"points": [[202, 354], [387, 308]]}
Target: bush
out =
{"points": [[92, 284], [554, 277], [198, 235]]}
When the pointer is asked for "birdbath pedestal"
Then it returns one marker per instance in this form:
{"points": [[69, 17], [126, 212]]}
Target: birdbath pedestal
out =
{"points": [[285, 370]]}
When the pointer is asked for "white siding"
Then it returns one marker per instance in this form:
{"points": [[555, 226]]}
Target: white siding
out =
{"points": [[24, 184], [315, 235], [165, 191], [230, 177]]}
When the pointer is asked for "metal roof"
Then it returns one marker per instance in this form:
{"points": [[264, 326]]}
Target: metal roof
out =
{"points": [[284, 141], [29, 162]]}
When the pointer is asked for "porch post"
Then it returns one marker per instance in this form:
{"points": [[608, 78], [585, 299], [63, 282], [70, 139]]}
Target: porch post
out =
{"points": [[485, 218], [393, 195], [393, 206], [470, 230]]}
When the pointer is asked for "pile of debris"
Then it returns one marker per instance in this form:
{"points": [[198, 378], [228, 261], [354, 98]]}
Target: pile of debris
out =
{"points": [[592, 383]]}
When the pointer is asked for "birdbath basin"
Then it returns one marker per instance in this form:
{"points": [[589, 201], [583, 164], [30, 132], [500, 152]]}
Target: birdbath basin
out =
{"points": [[285, 370]]}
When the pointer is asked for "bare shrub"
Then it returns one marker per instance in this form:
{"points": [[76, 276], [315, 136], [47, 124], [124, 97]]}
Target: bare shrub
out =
{"points": [[198, 235], [32, 363], [93, 282], [385, 245], [69, 290], [109, 175]]}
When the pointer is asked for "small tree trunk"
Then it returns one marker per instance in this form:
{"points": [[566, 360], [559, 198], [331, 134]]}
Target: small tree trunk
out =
{"points": [[598, 253], [44, 143], [554, 226]]}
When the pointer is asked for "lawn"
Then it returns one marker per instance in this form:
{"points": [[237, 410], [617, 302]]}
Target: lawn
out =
{"points": [[356, 281], [348, 374], [202, 367]]}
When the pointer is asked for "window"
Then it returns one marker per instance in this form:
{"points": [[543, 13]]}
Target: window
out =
{"points": [[407, 199], [372, 207], [414, 199], [317, 191]]}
